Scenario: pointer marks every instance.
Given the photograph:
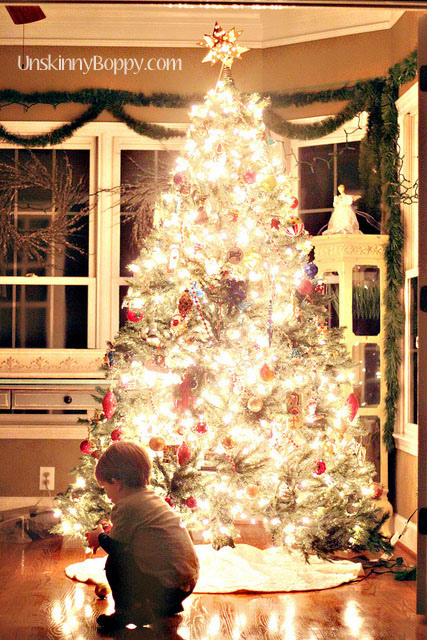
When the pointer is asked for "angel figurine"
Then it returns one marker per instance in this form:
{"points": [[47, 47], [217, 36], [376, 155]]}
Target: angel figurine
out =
{"points": [[343, 218]]}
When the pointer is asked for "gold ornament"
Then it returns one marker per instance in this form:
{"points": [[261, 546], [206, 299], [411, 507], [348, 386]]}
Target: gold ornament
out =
{"points": [[157, 443], [255, 404], [328, 447], [266, 373], [227, 442], [252, 491], [222, 46], [268, 183], [252, 260]]}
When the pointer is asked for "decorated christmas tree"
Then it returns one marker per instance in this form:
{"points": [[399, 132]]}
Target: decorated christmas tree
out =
{"points": [[226, 370]]}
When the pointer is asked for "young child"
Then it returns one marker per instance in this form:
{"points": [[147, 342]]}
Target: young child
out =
{"points": [[152, 565]]}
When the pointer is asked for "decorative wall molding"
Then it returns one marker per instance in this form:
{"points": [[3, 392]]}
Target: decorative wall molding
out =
{"points": [[353, 246], [69, 363]]}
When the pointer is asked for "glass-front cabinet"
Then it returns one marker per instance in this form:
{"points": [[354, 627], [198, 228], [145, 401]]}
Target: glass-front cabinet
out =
{"points": [[353, 269]]}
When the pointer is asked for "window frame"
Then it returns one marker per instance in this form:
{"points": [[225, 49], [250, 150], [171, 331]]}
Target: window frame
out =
{"points": [[406, 433], [352, 131], [103, 139], [76, 143]]}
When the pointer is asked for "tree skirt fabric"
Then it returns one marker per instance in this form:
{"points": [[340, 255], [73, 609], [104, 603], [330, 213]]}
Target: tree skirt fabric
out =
{"points": [[246, 568]]}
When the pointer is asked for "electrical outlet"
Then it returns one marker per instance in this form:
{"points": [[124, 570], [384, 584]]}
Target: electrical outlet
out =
{"points": [[47, 478]]}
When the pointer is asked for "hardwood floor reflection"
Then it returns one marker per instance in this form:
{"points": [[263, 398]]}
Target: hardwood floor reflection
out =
{"points": [[38, 602]]}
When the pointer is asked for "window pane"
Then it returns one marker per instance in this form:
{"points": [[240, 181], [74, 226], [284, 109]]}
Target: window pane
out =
{"points": [[314, 223], [78, 162], [34, 316], [348, 167], [75, 261], [316, 166], [38, 162], [5, 316], [122, 318], [412, 381], [144, 174]]}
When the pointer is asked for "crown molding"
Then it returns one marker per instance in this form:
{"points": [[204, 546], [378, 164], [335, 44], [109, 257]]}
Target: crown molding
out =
{"points": [[182, 27]]}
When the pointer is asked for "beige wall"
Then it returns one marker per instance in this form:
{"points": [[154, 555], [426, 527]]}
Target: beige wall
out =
{"points": [[20, 462], [310, 65], [322, 64], [404, 469]]}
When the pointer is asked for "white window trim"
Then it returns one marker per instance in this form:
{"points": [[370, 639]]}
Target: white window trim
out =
{"points": [[406, 438], [406, 434]]}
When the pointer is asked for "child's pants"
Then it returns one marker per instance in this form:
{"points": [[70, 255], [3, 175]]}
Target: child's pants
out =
{"points": [[132, 589]]}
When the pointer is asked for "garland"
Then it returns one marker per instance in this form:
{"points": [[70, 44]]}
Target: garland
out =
{"points": [[380, 150]]}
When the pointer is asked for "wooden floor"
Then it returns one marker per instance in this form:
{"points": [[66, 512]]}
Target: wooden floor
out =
{"points": [[38, 602]]}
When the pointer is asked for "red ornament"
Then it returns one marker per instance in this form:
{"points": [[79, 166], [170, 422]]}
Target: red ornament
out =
{"points": [[178, 178], [191, 503], [294, 202], [168, 499], [377, 491], [295, 230], [109, 404], [183, 455], [86, 447], [319, 288], [352, 406], [305, 287], [116, 434], [201, 428], [275, 223], [320, 468], [249, 177], [134, 316]]}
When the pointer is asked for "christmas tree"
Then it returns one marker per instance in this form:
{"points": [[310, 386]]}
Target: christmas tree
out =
{"points": [[226, 369]]}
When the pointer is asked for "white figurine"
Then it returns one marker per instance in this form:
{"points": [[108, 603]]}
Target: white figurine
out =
{"points": [[343, 218]]}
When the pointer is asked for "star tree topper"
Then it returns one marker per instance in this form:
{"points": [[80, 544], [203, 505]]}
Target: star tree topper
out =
{"points": [[222, 45]]}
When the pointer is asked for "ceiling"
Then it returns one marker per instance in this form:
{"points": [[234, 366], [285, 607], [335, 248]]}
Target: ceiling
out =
{"points": [[143, 25]]}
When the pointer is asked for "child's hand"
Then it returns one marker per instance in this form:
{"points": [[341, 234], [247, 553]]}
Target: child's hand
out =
{"points": [[92, 538]]}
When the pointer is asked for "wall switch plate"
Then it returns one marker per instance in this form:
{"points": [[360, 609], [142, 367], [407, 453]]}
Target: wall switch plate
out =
{"points": [[47, 474]]}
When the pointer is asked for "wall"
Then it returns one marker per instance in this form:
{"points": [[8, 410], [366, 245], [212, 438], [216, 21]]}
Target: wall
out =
{"points": [[322, 64]]}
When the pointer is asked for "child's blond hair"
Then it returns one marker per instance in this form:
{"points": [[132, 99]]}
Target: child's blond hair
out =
{"points": [[127, 462]]}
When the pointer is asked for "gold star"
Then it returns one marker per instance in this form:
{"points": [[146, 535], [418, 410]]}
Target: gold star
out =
{"points": [[222, 45]]}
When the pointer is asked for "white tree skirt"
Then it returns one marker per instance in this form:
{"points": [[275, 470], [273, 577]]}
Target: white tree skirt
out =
{"points": [[246, 568]]}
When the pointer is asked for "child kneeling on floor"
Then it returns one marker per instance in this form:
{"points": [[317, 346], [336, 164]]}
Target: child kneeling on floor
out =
{"points": [[152, 564]]}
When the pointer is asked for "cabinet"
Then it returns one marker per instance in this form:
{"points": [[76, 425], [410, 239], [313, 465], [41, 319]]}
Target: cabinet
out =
{"points": [[353, 268]]}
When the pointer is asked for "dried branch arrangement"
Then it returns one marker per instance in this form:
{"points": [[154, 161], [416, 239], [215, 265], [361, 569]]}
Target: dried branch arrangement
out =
{"points": [[65, 194]]}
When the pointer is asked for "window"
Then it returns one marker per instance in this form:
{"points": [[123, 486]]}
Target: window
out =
{"points": [[322, 168], [411, 351], [44, 294], [144, 173]]}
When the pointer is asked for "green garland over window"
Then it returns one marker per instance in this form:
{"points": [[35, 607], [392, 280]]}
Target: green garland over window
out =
{"points": [[377, 97]]}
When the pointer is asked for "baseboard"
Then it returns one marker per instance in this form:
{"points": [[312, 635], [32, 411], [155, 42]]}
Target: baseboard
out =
{"points": [[409, 538], [16, 502]]}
